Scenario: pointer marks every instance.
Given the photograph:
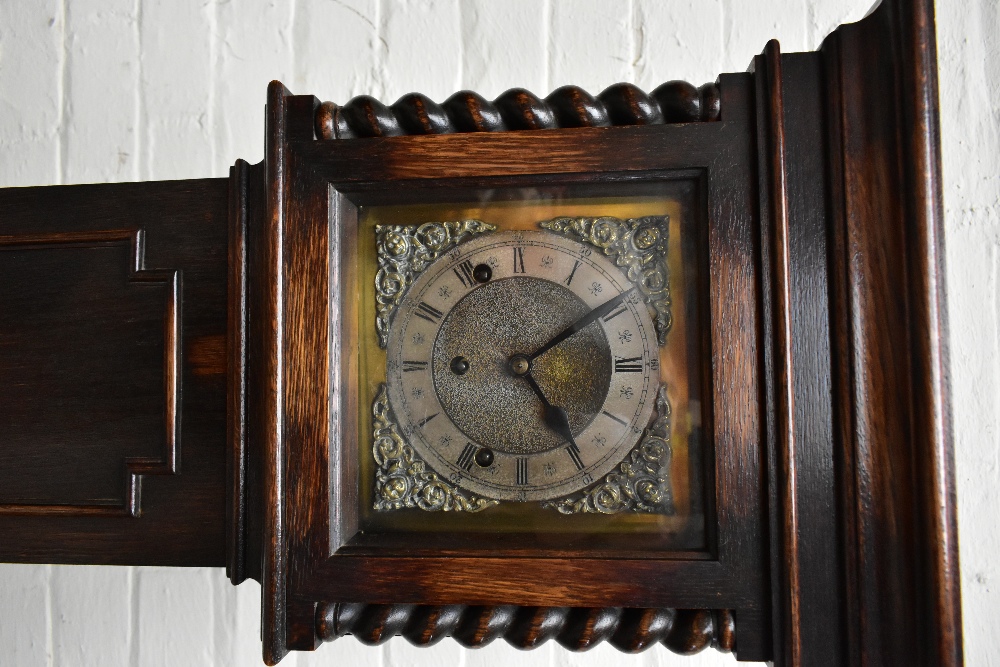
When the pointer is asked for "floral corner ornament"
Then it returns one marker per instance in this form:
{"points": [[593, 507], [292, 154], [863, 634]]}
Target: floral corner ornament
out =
{"points": [[641, 483], [403, 479], [638, 245], [403, 252]]}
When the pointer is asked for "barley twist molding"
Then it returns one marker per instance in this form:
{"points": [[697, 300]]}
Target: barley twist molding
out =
{"points": [[683, 631], [518, 109]]}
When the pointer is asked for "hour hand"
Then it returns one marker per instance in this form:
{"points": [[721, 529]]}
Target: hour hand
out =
{"points": [[555, 417]]}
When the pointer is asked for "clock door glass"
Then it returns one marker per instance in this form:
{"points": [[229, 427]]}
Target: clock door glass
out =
{"points": [[530, 364]]}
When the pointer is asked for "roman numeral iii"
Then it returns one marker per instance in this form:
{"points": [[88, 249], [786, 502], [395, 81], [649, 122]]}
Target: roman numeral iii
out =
{"points": [[409, 366], [628, 364], [614, 313]]}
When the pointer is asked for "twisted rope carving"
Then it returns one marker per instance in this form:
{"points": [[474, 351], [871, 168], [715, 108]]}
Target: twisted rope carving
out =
{"points": [[518, 109], [683, 631]]}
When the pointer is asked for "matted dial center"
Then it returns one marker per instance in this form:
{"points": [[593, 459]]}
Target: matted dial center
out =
{"points": [[493, 327]]}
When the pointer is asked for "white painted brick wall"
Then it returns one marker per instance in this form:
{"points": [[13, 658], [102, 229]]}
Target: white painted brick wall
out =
{"points": [[117, 90]]}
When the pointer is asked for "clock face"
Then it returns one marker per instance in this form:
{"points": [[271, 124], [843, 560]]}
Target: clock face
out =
{"points": [[522, 366]]}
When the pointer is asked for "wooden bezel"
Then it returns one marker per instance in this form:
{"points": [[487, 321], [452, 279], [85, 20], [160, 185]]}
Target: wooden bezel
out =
{"points": [[309, 439]]}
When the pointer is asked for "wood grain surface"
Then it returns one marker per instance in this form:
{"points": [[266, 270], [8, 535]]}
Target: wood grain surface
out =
{"points": [[312, 184], [895, 455], [212, 324], [113, 294], [518, 109]]}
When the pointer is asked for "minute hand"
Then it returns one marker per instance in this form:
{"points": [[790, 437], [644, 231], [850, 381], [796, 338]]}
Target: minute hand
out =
{"points": [[581, 323]]}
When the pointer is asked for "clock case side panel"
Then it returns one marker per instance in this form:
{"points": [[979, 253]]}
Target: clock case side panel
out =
{"points": [[890, 354], [864, 564], [292, 421], [806, 565], [278, 371]]}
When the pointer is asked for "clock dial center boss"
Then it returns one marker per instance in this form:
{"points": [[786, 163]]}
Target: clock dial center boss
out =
{"points": [[519, 365]]}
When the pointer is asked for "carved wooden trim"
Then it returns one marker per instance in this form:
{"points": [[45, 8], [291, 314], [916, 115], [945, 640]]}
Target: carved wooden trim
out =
{"points": [[518, 109], [136, 466], [270, 272], [770, 87], [236, 388], [683, 631]]}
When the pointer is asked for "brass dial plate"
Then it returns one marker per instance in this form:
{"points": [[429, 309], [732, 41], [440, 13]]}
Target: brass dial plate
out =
{"points": [[483, 428]]}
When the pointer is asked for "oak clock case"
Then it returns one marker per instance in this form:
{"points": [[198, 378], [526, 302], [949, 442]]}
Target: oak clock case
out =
{"points": [[442, 442], [364, 373]]}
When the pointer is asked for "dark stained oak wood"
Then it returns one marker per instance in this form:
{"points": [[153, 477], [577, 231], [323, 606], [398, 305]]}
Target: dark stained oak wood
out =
{"points": [[895, 450], [240, 199], [804, 519], [770, 90], [310, 516], [267, 316], [518, 109], [210, 323], [684, 631], [113, 309], [80, 393]]}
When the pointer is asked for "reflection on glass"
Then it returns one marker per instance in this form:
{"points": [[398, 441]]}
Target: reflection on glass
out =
{"points": [[530, 366]]}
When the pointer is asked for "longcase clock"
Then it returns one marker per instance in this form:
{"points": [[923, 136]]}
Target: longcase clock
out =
{"points": [[641, 367]]}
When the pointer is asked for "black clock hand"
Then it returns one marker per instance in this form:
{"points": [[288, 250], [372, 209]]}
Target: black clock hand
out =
{"points": [[555, 417], [584, 321]]}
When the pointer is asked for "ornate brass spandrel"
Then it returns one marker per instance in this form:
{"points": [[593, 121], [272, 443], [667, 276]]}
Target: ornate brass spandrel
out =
{"points": [[403, 479], [637, 245], [406, 250], [641, 483]]}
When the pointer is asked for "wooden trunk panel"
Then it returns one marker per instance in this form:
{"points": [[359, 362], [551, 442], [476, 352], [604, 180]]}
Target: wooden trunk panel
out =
{"points": [[83, 345], [112, 373]]}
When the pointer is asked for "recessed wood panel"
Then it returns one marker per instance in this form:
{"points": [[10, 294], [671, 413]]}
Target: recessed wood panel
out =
{"points": [[112, 373], [89, 357]]}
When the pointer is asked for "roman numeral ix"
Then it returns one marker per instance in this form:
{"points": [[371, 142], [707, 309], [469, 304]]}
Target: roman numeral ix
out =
{"points": [[518, 260], [409, 366]]}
